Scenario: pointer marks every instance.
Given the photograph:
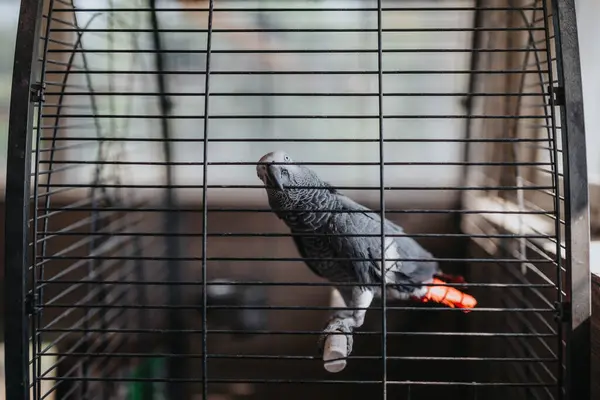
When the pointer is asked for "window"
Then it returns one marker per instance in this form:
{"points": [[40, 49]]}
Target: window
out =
{"points": [[9, 14], [357, 93], [589, 31], [532, 148]]}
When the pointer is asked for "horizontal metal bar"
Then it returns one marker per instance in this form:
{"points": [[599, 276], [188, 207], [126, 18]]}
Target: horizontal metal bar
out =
{"points": [[258, 187], [295, 259], [93, 347], [300, 94], [300, 72], [542, 19], [63, 84], [291, 211], [62, 42], [79, 223], [550, 172], [51, 193], [533, 372], [296, 30], [57, 170], [65, 127], [81, 321], [284, 116], [67, 270], [287, 284], [52, 305], [68, 232], [75, 69], [294, 357], [294, 9], [302, 140], [115, 245], [90, 295], [300, 333], [302, 381], [543, 126], [61, 148], [315, 163], [525, 322]]}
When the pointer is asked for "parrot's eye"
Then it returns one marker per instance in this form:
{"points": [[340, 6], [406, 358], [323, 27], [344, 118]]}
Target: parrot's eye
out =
{"points": [[286, 158]]}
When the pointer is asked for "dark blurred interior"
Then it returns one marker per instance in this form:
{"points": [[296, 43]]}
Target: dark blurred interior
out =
{"points": [[432, 346]]}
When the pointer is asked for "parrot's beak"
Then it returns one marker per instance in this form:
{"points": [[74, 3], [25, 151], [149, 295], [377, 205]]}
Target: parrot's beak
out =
{"points": [[274, 175]]}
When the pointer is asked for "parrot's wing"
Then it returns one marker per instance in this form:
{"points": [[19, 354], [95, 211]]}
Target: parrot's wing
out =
{"points": [[350, 204], [346, 243], [416, 268], [403, 246], [398, 251], [304, 254]]}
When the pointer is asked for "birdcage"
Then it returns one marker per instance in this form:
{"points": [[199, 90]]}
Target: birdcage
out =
{"points": [[143, 260]]}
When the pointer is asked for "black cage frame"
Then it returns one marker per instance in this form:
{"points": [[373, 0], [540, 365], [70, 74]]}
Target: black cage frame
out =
{"points": [[28, 93]]}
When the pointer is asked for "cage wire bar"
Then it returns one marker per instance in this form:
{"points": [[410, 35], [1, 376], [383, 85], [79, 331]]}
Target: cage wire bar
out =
{"points": [[171, 219], [141, 258]]}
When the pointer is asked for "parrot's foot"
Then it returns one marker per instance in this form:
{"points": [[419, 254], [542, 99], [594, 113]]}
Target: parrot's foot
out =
{"points": [[451, 278], [448, 296], [337, 326]]}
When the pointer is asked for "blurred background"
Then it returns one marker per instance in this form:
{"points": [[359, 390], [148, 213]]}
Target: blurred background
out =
{"points": [[188, 83]]}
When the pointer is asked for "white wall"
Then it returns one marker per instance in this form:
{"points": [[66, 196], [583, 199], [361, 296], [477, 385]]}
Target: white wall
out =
{"points": [[588, 14], [438, 175]]}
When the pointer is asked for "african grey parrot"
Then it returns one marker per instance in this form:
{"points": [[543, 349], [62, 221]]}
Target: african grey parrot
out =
{"points": [[322, 222]]}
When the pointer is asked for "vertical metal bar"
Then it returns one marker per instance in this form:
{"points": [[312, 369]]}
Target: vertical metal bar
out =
{"points": [[476, 43], [18, 181], [382, 199], [364, 63], [93, 265], [176, 367], [204, 201], [577, 229], [466, 324], [554, 157], [473, 78], [104, 395], [36, 320]]}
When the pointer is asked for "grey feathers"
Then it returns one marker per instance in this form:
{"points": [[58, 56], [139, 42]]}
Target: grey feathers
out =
{"points": [[339, 238]]}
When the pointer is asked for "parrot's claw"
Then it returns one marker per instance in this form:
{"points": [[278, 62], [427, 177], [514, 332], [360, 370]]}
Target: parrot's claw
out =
{"points": [[336, 326], [452, 278]]}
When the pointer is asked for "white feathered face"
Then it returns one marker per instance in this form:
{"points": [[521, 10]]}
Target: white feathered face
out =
{"points": [[275, 170]]}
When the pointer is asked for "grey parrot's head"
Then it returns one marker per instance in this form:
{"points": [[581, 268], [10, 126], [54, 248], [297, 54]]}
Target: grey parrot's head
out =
{"points": [[292, 187], [278, 171], [286, 181]]}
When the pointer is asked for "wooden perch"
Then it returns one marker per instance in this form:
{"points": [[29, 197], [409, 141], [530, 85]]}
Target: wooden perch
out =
{"points": [[335, 349]]}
